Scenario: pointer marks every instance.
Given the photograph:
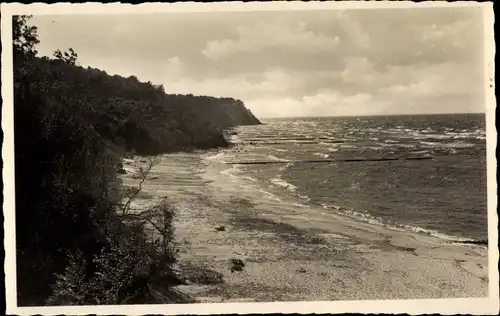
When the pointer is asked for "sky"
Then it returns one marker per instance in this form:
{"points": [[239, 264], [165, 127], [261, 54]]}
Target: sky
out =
{"points": [[292, 63]]}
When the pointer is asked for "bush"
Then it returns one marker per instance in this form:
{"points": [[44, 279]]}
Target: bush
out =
{"points": [[128, 268]]}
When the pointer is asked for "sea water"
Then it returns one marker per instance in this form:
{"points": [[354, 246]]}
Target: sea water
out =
{"points": [[444, 195]]}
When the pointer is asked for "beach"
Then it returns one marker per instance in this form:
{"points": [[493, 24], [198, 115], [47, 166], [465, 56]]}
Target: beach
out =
{"points": [[293, 251]]}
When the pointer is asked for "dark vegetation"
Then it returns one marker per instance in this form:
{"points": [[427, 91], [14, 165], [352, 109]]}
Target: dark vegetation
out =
{"points": [[77, 241]]}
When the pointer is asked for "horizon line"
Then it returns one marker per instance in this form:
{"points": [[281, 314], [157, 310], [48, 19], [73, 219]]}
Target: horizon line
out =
{"points": [[369, 115]]}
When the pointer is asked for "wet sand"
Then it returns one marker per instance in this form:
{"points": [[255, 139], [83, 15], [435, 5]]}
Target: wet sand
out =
{"points": [[294, 252]]}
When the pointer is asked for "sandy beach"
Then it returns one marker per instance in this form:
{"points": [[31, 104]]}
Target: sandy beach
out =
{"points": [[294, 252]]}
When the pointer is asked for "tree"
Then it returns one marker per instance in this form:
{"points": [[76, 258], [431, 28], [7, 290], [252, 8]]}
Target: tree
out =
{"points": [[159, 88], [24, 36], [69, 58]]}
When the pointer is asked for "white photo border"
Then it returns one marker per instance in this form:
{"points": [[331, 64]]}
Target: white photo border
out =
{"points": [[475, 306]]}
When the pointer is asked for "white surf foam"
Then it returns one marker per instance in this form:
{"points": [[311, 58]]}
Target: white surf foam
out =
{"points": [[368, 218], [279, 181], [421, 152], [218, 157], [274, 158], [322, 155], [233, 174], [304, 197], [282, 183], [407, 145], [347, 146], [449, 145]]}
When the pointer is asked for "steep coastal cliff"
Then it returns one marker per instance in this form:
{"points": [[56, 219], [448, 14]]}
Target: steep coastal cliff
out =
{"points": [[137, 116]]}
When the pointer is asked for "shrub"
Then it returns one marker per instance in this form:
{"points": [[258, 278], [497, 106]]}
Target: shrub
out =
{"points": [[128, 269]]}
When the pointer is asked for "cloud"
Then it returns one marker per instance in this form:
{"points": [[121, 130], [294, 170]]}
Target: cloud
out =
{"points": [[359, 71], [322, 103], [295, 37], [442, 87], [268, 83], [423, 36]]}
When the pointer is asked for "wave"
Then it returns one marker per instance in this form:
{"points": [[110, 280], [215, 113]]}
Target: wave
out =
{"points": [[234, 139], [438, 136], [249, 183], [239, 179], [311, 141], [280, 150], [293, 143], [266, 193], [279, 181], [304, 197], [428, 130], [424, 152], [282, 183], [350, 212], [407, 145], [230, 172], [220, 157], [447, 145], [322, 155], [388, 145], [374, 147], [432, 135], [370, 219], [274, 158]]}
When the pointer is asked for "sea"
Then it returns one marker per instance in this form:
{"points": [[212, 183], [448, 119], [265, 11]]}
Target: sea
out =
{"points": [[422, 173]]}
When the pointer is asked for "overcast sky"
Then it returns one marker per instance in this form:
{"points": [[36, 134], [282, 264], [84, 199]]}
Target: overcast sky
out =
{"points": [[292, 63]]}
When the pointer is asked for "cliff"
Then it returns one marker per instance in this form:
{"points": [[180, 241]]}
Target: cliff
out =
{"points": [[137, 116]]}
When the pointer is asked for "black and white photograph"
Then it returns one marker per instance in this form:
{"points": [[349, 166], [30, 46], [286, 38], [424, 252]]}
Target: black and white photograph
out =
{"points": [[252, 157]]}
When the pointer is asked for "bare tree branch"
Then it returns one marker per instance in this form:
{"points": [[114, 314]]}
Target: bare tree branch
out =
{"points": [[143, 176]]}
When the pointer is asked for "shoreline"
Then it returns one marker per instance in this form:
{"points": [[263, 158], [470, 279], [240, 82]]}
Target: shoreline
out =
{"points": [[289, 190], [297, 252]]}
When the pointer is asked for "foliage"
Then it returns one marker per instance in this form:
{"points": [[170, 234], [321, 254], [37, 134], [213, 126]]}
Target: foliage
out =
{"points": [[69, 58], [128, 269], [160, 217], [138, 116], [24, 36]]}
